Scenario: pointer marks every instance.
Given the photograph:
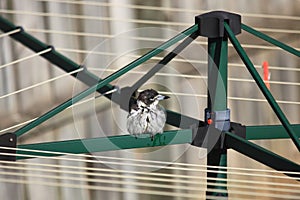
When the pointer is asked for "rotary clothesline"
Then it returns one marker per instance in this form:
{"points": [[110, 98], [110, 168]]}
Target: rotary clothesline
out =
{"points": [[291, 50], [250, 67]]}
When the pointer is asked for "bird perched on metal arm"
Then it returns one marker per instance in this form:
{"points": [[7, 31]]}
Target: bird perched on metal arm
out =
{"points": [[146, 115]]}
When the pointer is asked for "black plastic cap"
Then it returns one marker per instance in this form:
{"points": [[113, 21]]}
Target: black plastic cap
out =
{"points": [[9, 143], [211, 24]]}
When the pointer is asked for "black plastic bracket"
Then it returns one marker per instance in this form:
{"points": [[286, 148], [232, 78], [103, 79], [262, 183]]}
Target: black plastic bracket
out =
{"points": [[199, 135], [238, 129], [208, 136], [8, 140], [211, 24]]}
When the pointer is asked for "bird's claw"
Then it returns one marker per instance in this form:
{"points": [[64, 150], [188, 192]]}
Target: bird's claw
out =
{"points": [[152, 137]]}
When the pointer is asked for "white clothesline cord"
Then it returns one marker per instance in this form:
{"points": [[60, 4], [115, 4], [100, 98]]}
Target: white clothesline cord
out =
{"points": [[116, 174], [10, 32], [74, 33], [232, 98], [140, 183], [175, 59], [138, 21], [97, 18], [157, 176], [17, 125], [25, 58], [101, 188], [72, 106], [199, 195], [159, 74], [41, 83], [125, 189], [196, 76], [91, 173], [171, 9], [153, 164], [166, 93], [263, 100]]}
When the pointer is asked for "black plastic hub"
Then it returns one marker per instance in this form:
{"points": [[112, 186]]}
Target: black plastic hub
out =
{"points": [[211, 24]]}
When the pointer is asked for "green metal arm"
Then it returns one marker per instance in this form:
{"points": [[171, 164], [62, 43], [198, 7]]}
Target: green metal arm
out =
{"points": [[163, 62], [262, 86], [110, 143], [271, 40], [105, 81], [270, 132], [261, 154]]}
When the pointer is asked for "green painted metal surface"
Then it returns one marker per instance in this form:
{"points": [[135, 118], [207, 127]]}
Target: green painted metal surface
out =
{"points": [[217, 101], [271, 40], [261, 154], [105, 81], [217, 73], [270, 132], [110, 143], [262, 87]]}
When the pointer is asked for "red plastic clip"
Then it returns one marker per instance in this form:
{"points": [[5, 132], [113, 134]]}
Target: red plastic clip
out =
{"points": [[209, 121], [267, 74]]}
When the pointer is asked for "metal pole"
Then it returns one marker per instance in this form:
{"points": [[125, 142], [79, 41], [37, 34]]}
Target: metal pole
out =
{"points": [[217, 106], [217, 116]]}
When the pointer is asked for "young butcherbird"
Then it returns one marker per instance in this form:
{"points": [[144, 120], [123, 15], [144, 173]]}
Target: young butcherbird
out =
{"points": [[146, 115]]}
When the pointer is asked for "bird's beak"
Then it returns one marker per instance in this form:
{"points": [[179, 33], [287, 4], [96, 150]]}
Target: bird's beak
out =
{"points": [[161, 97]]}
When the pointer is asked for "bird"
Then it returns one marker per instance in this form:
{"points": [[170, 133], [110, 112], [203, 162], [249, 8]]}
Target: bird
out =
{"points": [[146, 115]]}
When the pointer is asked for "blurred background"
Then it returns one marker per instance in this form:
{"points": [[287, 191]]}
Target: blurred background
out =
{"points": [[106, 35]]}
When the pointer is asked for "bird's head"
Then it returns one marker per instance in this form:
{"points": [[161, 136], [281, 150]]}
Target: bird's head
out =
{"points": [[150, 96]]}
